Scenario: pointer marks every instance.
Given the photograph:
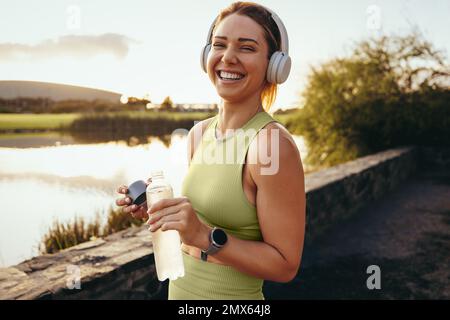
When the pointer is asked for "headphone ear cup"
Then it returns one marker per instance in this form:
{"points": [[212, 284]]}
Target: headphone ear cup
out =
{"points": [[283, 68], [279, 67], [204, 57], [271, 69]]}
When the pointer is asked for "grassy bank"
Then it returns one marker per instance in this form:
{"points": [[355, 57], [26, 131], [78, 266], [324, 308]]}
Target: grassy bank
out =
{"points": [[65, 235], [43, 121]]}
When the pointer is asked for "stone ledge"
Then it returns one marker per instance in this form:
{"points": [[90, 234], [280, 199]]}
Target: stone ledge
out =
{"points": [[46, 276], [322, 178]]}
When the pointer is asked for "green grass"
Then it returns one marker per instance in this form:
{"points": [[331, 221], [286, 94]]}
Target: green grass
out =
{"points": [[36, 121], [8, 136]]}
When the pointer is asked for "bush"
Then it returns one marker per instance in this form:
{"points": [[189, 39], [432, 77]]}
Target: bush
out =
{"points": [[391, 91]]}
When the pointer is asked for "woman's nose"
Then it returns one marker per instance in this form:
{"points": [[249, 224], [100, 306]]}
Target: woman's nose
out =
{"points": [[229, 56]]}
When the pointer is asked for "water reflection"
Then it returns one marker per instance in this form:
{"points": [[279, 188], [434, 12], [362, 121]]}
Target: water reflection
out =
{"points": [[45, 139], [35, 140], [47, 176]]}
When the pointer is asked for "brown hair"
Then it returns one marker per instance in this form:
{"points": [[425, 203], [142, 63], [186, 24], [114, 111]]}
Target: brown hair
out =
{"points": [[271, 33]]}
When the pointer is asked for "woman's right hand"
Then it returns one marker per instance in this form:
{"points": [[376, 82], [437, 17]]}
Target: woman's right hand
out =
{"points": [[138, 212]]}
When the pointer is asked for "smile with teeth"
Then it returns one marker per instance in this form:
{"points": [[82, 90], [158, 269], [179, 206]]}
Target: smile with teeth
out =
{"points": [[227, 76]]}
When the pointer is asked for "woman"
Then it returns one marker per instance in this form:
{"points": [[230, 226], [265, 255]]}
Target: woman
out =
{"points": [[240, 222]]}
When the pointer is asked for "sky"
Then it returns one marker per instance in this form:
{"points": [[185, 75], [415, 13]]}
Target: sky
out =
{"points": [[152, 48]]}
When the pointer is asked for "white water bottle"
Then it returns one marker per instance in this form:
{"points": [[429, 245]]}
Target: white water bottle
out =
{"points": [[166, 244]]}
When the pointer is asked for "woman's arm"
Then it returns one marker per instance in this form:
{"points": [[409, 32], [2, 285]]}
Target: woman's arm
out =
{"points": [[281, 206]]}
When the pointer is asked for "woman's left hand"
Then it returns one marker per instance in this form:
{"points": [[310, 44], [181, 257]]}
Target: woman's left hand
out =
{"points": [[176, 214]]}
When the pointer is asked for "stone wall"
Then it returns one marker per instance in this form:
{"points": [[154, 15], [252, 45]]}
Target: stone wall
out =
{"points": [[121, 266], [336, 193]]}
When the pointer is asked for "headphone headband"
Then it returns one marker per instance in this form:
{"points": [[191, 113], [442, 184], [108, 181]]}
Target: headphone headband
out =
{"points": [[278, 22]]}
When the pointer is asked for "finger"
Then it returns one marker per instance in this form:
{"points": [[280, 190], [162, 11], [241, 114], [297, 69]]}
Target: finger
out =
{"points": [[172, 225], [165, 203], [130, 209], [149, 180], [161, 213], [123, 201], [134, 207], [122, 189], [140, 213], [126, 209], [136, 214], [165, 220]]}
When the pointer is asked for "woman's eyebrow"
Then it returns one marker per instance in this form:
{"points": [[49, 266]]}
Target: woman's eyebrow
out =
{"points": [[240, 39]]}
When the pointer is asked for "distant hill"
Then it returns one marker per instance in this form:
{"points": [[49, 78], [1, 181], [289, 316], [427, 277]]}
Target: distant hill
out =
{"points": [[54, 91]]}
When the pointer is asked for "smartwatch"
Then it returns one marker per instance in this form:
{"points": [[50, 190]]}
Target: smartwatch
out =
{"points": [[217, 239]]}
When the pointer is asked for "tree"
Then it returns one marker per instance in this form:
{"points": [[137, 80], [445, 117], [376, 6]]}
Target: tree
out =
{"points": [[388, 92], [167, 105]]}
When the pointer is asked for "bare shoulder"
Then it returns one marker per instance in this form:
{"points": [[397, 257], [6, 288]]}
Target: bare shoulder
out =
{"points": [[280, 131], [274, 146], [274, 136]]}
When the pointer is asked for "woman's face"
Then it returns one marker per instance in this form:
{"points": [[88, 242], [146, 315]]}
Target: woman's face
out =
{"points": [[237, 62]]}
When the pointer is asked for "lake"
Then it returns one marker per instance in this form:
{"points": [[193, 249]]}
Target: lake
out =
{"points": [[50, 176]]}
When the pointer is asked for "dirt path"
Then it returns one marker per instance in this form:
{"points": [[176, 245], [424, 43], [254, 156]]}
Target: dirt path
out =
{"points": [[406, 234]]}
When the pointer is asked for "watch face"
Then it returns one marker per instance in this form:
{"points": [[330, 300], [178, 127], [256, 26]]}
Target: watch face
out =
{"points": [[219, 236]]}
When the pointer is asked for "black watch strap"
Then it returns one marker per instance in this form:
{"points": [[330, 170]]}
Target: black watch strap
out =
{"points": [[204, 255]]}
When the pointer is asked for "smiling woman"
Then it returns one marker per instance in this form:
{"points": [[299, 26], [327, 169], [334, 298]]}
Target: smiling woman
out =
{"points": [[241, 218]]}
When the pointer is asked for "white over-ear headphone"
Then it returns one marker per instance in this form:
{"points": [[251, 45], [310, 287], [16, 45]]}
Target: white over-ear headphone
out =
{"points": [[280, 62]]}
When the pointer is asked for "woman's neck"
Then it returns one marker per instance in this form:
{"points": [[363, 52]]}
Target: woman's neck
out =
{"points": [[236, 115]]}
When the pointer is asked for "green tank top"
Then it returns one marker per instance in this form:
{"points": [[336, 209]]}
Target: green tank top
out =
{"points": [[213, 183]]}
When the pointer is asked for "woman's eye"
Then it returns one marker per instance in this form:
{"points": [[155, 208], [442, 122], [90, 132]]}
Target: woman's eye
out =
{"points": [[220, 45]]}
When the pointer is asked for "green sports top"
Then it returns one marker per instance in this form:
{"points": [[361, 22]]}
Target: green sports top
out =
{"points": [[213, 183]]}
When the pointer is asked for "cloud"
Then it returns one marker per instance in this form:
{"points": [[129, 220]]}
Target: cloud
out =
{"points": [[76, 46]]}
